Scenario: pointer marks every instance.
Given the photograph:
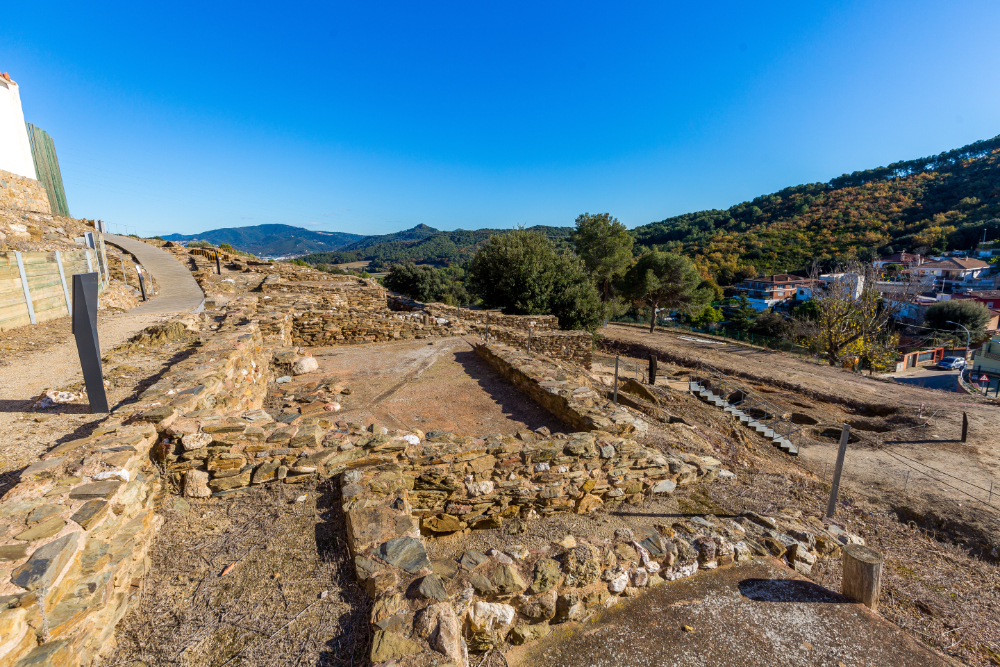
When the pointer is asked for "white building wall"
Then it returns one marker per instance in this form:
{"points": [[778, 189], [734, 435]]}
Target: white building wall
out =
{"points": [[15, 151]]}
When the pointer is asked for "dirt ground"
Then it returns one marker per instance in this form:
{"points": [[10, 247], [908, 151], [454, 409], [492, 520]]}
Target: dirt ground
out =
{"points": [[941, 474], [758, 614], [26, 433], [290, 597], [425, 385]]}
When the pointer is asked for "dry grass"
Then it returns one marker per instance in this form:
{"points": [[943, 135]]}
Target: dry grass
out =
{"points": [[289, 598]]}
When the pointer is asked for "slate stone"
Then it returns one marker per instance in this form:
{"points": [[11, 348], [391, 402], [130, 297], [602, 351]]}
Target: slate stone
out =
{"points": [[507, 580], [446, 568], [13, 552], [432, 588], [266, 472], [41, 530], [481, 583], [91, 512], [229, 483], [308, 436], [42, 466], [406, 553], [389, 646], [104, 489], [547, 574], [46, 563], [472, 559], [156, 415], [43, 512], [397, 623]]}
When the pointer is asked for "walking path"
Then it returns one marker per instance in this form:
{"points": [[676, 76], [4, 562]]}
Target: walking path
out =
{"points": [[24, 434], [179, 292]]}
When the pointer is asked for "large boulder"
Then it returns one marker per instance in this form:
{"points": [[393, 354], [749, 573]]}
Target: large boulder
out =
{"points": [[304, 365]]}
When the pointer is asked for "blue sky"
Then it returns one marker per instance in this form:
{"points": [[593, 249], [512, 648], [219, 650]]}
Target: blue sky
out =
{"points": [[374, 117]]}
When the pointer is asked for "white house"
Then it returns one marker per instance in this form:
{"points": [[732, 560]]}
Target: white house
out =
{"points": [[951, 273], [15, 150]]}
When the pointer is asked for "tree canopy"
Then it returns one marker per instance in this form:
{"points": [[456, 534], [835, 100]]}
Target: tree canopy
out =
{"points": [[974, 315], [522, 273], [605, 246], [663, 280]]}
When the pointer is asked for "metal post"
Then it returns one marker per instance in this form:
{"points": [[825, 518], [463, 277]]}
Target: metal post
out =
{"points": [[25, 288], [529, 339], [218, 266], [616, 379], [142, 284], [906, 482], [487, 326], [87, 343], [62, 279], [124, 277], [990, 502], [965, 426], [831, 508]]}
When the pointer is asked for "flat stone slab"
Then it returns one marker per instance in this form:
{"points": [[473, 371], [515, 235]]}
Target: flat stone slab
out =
{"points": [[46, 563], [41, 530], [405, 553], [94, 490]]}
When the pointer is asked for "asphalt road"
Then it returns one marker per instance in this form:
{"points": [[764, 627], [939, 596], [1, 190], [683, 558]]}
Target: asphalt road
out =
{"points": [[929, 377]]}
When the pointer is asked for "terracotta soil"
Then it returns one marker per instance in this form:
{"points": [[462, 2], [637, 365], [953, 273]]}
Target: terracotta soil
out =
{"points": [[441, 384]]}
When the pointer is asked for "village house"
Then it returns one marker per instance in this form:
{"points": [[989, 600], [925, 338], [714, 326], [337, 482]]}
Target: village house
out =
{"points": [[766, 292], [953, 273]]}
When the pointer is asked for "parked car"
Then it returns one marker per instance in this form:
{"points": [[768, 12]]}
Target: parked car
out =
{"points": [[951, 363]]}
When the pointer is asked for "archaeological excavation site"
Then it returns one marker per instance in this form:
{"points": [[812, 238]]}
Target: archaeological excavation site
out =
{"points": [[317, 471]]}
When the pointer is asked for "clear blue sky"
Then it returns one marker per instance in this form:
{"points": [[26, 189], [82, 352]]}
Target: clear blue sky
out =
{"points": [[375, 116]]}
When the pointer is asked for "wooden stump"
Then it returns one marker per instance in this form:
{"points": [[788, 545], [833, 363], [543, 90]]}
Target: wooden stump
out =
{"points": [[862, 577]]}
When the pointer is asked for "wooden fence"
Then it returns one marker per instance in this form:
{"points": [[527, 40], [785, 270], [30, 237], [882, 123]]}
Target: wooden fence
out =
{"points": [[38, 286]]}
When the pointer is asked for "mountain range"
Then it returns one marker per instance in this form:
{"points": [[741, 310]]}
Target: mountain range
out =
{"points": [[928, 205], [272, 240]]}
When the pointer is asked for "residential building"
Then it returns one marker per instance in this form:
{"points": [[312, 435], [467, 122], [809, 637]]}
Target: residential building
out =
{"points": [[952, 274], [766, 292], [904, 259], [987, 358], [989, 298]]}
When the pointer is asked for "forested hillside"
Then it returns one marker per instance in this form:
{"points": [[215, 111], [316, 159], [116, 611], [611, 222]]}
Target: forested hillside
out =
{"points": [[437, 248], [943, 202], [272, 240]]}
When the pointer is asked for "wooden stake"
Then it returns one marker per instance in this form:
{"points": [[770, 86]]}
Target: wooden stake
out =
{"points": [[965, 426], [862, 575], [831, 508]]}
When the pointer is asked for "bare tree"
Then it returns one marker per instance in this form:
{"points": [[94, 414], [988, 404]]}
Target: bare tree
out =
{"points": [[852, 311]]}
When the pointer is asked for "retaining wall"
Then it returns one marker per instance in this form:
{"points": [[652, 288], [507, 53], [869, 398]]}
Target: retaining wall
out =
{"points": [[23, 193], [49, 286]]}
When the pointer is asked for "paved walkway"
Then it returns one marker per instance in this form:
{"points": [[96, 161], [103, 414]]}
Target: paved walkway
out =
{"points": [[178, 291]]}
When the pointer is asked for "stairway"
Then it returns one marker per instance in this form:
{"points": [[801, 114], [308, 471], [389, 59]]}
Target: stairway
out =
{"points": [[779, 441]]}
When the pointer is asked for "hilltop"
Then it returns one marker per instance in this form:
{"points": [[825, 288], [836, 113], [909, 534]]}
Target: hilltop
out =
{"points": [[933, 204], [272, 240]]}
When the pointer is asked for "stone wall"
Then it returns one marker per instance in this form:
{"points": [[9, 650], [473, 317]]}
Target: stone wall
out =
{"points": [[75, 530], [562, 389], [573, 346], [22, 193]]}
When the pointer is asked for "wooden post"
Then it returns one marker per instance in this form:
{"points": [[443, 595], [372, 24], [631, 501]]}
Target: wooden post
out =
{"points": [[652, 369], [862, 575], [831, 508], [616, 379], [965, 426], [218, 263]]}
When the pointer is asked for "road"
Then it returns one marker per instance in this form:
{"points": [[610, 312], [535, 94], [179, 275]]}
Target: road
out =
{"points": [[929, 377]]}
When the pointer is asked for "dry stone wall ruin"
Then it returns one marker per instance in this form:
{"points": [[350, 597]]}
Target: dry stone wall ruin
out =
{"points": [[76, 529]]}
